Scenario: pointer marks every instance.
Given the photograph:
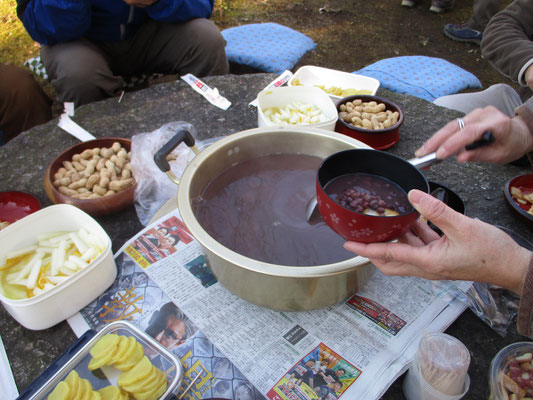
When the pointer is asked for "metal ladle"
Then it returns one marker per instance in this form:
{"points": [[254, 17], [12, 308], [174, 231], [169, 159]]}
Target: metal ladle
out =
{"points": [[419, 162]]}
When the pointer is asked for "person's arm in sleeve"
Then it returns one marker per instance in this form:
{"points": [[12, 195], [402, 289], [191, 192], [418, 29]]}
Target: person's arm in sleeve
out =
{"points": [[54, 21], [507, 41], [179, 10]]}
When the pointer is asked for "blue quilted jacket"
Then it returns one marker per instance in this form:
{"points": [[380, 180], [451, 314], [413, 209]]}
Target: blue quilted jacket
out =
{"points": [[55, 21]]}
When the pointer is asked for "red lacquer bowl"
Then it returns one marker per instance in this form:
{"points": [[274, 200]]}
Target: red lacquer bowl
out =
{"points": [[362, 227], [379, 139], [525, 184], [16, 205]]}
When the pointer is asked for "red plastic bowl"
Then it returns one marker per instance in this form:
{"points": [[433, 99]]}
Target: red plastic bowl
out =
{"points": [[379, 139], [361, 227], [16, 205]]}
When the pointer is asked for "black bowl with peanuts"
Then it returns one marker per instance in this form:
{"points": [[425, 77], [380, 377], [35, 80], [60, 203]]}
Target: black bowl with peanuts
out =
{"points": [[372, 120], [95, 176]]}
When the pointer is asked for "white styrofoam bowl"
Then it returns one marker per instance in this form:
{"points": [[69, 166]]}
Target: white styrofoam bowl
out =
{"points": [[282, 96], [310, 75], [51, 307]]}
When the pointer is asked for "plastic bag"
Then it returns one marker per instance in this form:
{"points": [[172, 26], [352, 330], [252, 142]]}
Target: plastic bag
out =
{"points": [[154, 188], [494, 305]]}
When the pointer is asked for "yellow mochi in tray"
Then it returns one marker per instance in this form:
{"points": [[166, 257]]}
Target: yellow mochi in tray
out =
{"points": [[129, 361], [148, 384], [155, 392], [122, 347], [60, 392], [113, 393], [103, 351], [141, 370]]}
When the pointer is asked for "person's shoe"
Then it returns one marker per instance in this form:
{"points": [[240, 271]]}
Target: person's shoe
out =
{"points": [[408, 3], [440, 6], [463, 33]]}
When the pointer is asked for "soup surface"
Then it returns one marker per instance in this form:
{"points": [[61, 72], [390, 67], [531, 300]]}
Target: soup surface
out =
{"points": [[257, 209], [369, 194]]}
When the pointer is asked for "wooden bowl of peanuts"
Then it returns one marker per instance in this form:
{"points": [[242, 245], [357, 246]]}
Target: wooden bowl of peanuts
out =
{"points": [[373, 120], [94, 176]]}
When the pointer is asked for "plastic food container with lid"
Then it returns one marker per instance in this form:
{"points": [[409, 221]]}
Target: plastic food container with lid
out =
{"points": [[55, 305], [78, 356]]}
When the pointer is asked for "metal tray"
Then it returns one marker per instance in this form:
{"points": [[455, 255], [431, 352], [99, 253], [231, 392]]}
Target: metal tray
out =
{"points": [[77, 358]]}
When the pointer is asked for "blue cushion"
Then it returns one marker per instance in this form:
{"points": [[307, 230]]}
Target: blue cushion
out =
{"points": [[420, 76], [268, 47]]}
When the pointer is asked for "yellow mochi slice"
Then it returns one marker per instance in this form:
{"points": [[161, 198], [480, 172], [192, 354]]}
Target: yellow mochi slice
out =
{"points": [[151, 382], [73, 380], [140, 371], [103, 351], [96, 396], [135, 357], [110, 393], [131, 345], [104, 345], [153, 393], [85, 389], [122, 347], [60, 392]]}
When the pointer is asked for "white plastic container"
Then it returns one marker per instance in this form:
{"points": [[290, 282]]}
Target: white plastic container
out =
{"points": [[51, 307], [310, 76], [283, 96], [439, 370]]}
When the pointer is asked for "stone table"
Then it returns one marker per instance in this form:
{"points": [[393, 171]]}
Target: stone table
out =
{"points": [[26, 158]]}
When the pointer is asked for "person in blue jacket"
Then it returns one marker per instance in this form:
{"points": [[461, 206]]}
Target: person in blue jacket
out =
{"points": [[88, 46]]}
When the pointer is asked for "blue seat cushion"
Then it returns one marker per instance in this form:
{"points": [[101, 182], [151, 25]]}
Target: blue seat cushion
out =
{"points": [[426, 77], [268, 47]]}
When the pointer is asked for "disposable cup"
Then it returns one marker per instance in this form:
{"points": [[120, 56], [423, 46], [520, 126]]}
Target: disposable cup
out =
{"points": [[439, 370]]}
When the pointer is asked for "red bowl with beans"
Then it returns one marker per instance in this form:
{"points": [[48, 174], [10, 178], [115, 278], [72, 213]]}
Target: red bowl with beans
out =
{"points": [[379, 137], [379, 210]]}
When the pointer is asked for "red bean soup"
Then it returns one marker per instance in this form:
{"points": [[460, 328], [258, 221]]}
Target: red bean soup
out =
{"points": [[369, 194], [257, 209]]}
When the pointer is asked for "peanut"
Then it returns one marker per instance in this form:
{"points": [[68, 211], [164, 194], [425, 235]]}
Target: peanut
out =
{"points": [[120, 185], [99, 190], [368, 115], [95, 173], [92, 180], [65, 190], [86, 154], [105, 152]]}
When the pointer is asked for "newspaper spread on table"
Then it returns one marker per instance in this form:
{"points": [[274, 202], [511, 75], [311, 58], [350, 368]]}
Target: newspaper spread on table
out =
{"points": [[236, 350]]}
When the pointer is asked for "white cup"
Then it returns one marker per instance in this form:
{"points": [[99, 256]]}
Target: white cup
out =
{"points": [[439, 370]]}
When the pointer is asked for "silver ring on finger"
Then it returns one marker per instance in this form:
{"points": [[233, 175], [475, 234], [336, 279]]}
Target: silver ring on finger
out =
{"points": [[461, 123]]}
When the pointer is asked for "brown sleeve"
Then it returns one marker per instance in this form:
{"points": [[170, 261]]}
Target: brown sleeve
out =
{"points": [[525, 310], [506, 42]]}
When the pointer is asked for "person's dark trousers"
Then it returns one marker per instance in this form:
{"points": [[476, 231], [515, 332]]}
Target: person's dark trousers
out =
{"points": [[83, 71], [23, 103]]}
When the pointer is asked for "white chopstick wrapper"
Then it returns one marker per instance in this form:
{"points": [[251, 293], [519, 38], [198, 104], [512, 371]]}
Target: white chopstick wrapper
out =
{"points": [[279, 81], [211, 95], [73, 128]]}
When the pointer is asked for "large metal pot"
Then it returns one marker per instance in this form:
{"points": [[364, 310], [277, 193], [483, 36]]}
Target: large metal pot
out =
{"points": [[278, 287]]}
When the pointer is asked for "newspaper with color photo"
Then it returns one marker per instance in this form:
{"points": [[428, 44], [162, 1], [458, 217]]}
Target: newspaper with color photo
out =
{"points": [[234, 349]]}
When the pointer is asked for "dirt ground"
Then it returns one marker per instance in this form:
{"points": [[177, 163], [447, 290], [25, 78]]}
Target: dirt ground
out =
{"points": [[355, 33]]}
